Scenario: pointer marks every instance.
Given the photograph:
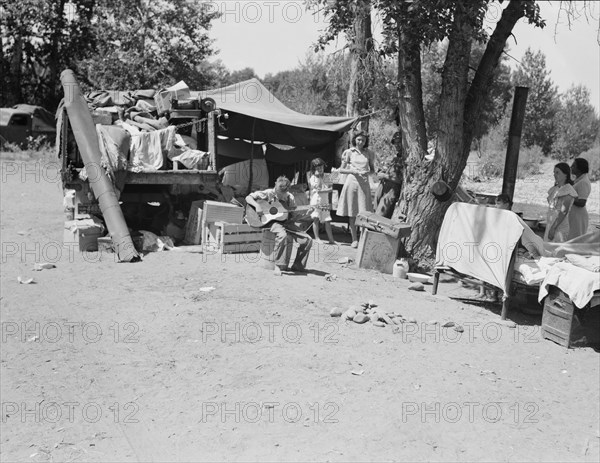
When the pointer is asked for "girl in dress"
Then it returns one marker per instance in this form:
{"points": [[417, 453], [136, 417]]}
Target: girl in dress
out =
{"points": [[358, 162], [578, 217], [319, 199], [560, 200]]}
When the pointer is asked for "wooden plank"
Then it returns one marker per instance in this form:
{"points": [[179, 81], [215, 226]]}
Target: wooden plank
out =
{"points": [[240, 248], [238, 228], [241, 238], [215, 211], [167, 177], [211, 139]]}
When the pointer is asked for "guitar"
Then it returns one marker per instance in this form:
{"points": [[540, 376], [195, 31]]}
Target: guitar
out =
{"points": [[276, 212], [273, 211]]}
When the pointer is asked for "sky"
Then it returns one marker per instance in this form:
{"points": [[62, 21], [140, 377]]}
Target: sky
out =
{"points": [[273, 36]]}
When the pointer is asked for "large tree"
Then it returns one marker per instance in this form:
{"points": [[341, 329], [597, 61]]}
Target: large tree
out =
{"points": [[110, 44], [542, 100], [38, 39], [408, 26], [577, 123], [149, 43], [495, 102]]}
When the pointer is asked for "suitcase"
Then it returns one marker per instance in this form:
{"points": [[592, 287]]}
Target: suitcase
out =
{"points": [[391, 227]]}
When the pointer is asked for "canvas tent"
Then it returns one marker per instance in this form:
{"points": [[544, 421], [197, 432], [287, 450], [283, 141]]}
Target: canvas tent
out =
{"points": [[255, 114], [286, 138]]}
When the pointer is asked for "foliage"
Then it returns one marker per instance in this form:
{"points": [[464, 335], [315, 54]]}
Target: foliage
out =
{"points": [[110, 44], [382, 130], [148, 44], [408, 28], [317, 86], [39, 38], [593, 158], [577, 124], [542, 101], [496, 99], [34, 148], [492, 163]]}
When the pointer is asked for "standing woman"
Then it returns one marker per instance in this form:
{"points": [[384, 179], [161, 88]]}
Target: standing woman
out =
{"points": [[560, 199], [578, 217], [358, 162]]}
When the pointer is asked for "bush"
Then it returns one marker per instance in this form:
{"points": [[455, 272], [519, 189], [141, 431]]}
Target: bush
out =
{"points": [[35, 148], [530, 161], [493, 161], [593, 157], [380, 136]]}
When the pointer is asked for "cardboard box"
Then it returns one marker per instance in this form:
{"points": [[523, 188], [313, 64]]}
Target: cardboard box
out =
{"points": [[83, 234]]}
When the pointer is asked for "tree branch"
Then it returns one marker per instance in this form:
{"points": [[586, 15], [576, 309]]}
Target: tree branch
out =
{"points": [[485, 71]]}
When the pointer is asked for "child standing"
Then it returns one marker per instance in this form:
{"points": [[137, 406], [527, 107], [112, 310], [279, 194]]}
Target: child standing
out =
{"points": [[319, 194]]}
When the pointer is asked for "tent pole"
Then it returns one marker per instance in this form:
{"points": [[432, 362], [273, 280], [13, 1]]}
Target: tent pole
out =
{"points": [[250, 179]]}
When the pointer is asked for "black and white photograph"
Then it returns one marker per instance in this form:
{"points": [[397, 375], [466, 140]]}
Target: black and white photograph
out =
{"points": [[299, 231]]}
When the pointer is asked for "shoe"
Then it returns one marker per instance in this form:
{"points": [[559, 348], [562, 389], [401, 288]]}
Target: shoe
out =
{"points": [[354, 244], [298, 268], [279, 270]]}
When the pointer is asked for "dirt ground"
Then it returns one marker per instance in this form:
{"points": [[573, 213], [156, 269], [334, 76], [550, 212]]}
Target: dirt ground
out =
{"points": [[104, 361]]}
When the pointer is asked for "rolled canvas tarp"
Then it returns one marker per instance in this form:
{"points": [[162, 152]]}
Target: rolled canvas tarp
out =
{"points": [[84, 131]]}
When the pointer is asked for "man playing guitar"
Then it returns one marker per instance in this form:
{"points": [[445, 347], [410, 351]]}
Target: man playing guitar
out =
{"points": [[286, 231]]}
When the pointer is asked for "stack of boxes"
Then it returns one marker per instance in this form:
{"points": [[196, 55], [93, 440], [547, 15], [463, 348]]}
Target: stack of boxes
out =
{"points": [[82, 230]]}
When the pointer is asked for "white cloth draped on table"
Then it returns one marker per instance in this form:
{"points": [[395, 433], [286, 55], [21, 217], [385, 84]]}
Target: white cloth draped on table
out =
{"points": [[478, 241]]}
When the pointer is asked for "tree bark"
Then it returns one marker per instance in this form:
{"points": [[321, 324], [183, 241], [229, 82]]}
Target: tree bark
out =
{"points": [[15, 93], [449, 145], [488, 64], [361, 75], [414, 198], [460, 106], [53, 83]]}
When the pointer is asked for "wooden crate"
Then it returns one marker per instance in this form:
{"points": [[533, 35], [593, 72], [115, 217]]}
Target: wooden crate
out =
{"points": [[235, 238], [566, 325], [377, 251], [193, 227], [215, 211]]}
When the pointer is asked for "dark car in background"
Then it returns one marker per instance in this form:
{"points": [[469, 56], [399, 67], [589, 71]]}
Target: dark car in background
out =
{"points": [[22, 121]]}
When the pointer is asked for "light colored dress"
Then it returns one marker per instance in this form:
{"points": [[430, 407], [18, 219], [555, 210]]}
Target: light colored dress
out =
{"points": [[578, 216], [319, 199], [557, 197], [355, 196]]}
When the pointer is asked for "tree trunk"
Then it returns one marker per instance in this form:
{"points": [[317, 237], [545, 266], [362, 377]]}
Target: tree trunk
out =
{"points": [[15, 92], [449, 145], [485, 71], [361, 73], [51, 98], [415, 197], [459, 108]]}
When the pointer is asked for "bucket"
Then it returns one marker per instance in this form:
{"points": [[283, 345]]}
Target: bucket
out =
{"points": [[400, 269]]}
